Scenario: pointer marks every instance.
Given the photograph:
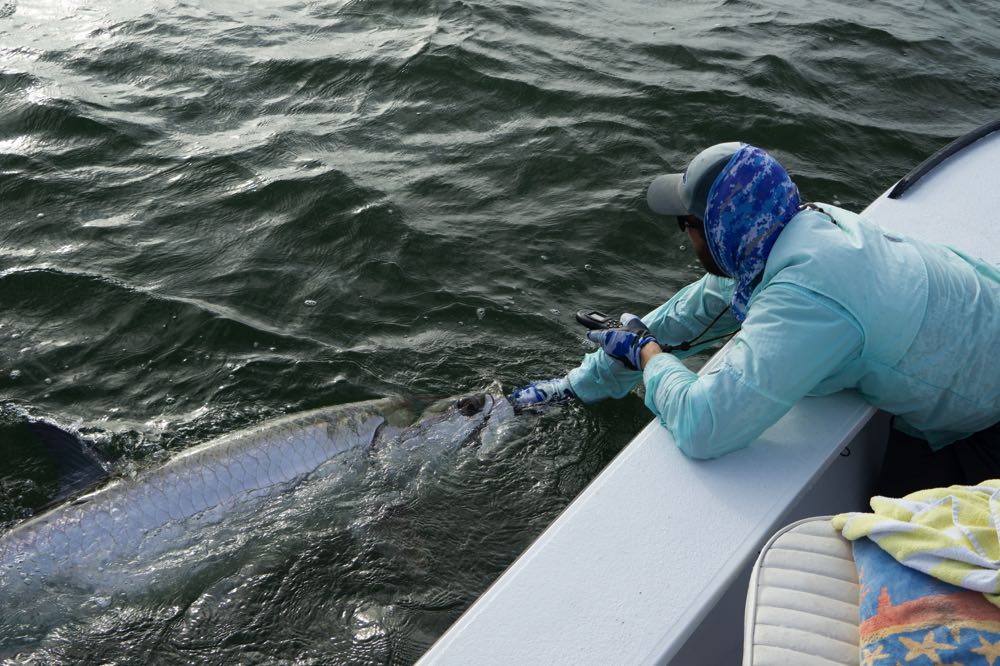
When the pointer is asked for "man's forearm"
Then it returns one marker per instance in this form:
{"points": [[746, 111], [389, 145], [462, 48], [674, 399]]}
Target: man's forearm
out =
{"points": [[648, 352]]}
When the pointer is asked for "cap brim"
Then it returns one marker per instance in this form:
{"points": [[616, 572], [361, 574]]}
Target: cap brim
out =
{"points": [[664, 195]]}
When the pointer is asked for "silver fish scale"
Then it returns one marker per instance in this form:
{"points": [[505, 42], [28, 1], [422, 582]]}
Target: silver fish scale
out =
{"points": [[124, 515]]}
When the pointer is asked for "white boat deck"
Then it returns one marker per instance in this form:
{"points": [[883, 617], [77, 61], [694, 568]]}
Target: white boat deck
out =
{"points": [[632, 571]]}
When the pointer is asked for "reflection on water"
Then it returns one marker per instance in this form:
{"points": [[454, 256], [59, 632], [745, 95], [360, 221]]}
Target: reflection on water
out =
{"points": [[218, 213]]}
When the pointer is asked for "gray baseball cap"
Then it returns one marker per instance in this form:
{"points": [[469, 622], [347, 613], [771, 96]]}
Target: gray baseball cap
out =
{"points": [[687, 193]]}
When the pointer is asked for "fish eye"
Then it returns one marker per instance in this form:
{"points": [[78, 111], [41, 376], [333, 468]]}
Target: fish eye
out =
{"points": [[471, 405]]}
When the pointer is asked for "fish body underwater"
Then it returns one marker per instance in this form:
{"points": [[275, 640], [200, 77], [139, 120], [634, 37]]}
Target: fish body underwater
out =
{"points": [[82, 542]]}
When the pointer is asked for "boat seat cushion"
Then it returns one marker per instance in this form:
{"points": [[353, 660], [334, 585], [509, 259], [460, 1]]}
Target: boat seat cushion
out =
{"points": [[802, 603]]}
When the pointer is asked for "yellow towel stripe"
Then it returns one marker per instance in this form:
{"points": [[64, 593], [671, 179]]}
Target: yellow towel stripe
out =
{"points": [[949, 533]]}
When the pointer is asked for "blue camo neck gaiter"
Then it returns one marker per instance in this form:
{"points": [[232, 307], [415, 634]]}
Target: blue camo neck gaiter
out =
{"points": [[749, 204]]}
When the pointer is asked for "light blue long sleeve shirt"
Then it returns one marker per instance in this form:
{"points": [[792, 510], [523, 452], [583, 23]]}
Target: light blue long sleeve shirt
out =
{"points": [[913, 327]]}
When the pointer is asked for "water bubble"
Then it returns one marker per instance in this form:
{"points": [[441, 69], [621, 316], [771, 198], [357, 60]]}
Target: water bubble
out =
{"points": [[256, 344], [271, 349], [14, 374], [480, 312], [587, 267], [310, 303], [170, 400], [554, 311], [48, 380], [40, 215], [682, 247], [545, 257]]}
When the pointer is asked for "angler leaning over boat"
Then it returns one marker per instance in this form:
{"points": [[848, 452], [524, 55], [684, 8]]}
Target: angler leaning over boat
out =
{"points": [[820, 300]]}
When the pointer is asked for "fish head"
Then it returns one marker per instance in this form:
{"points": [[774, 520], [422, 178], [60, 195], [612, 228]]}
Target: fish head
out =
{"points": [[456, 421], [473, 405], [480, 419], [446, 425]]}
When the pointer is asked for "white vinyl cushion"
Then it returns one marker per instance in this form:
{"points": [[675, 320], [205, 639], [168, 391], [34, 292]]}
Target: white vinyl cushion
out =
{"points": [[802, 603]]}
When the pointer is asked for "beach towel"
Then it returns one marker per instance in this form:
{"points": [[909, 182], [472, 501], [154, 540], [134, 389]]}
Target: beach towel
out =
{"points": [[948, 533], [928, 576]]}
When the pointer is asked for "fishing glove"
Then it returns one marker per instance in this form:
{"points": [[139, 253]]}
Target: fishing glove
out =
{"points": [[624, 344], [537, 393]]}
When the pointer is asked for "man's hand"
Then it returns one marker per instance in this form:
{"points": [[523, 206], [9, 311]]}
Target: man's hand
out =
{"points": [[537, 393], [625, 344]]}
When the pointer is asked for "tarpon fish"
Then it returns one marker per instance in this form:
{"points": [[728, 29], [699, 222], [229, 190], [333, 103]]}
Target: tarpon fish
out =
{"points": [[129, 518]]}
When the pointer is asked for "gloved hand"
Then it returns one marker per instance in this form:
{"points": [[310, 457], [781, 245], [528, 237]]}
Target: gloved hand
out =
{"points": [[624, 344], [537, 393]]}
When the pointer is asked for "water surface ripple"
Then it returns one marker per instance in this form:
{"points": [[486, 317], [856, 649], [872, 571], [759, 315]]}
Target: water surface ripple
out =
{"points": [[215, 213]]}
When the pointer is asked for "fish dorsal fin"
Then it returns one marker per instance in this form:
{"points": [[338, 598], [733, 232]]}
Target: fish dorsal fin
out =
{"points": [[77, 465]]}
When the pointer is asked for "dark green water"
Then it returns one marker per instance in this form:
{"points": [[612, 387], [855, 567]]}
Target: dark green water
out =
{"points": [[213, 213]]}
